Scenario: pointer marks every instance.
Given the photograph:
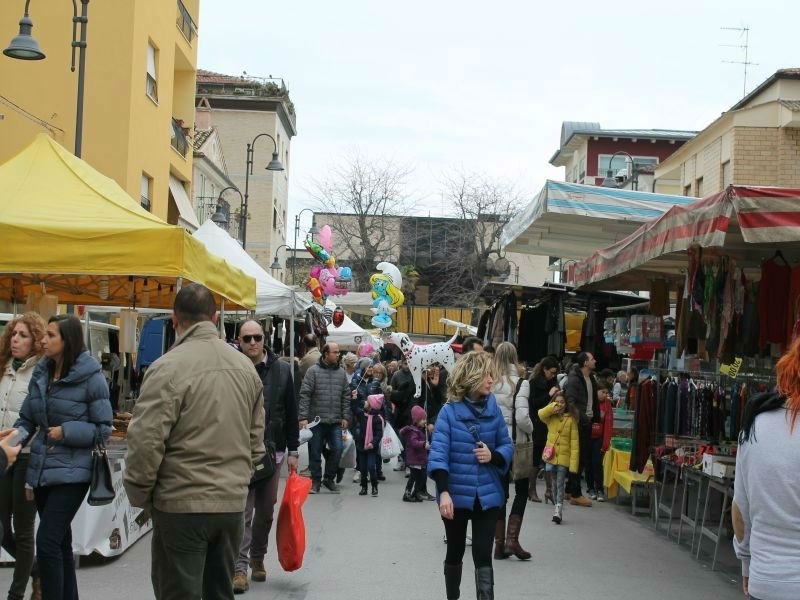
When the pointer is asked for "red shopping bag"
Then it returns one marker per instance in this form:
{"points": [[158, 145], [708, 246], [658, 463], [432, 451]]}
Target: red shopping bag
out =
{"points": [[291, 534]]}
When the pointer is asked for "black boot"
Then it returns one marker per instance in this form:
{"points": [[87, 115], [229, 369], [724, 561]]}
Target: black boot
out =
{"points": [[374, 487], [363, 491], [452, 580], [410, 497], [484, 583]]}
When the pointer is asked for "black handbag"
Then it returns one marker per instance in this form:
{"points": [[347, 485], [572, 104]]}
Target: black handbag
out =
{"points": [[264, 469], [101, 490]]}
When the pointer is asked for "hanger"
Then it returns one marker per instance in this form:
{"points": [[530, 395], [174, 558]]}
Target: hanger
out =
{"points": [[778, 254]]}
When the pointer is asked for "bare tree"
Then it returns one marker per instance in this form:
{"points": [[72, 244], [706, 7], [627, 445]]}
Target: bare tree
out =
{"points": [[479, 207], [363, 202]]}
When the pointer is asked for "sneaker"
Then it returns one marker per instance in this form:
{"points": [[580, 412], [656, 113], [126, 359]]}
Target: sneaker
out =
{"points": [[601, 497], [257, 570], [592, 495], [356, 476], [422, 496], [339, 475], [240, 585], [408, 497], [330, 486], [314, 488]]}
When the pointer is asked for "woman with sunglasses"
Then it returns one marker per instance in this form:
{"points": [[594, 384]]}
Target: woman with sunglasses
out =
{"points": [[20, 350], [67, 410], [469, 455]]}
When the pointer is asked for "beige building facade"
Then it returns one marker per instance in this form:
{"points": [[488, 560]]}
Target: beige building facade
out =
{"points": [[241, 110], [756, 142]]}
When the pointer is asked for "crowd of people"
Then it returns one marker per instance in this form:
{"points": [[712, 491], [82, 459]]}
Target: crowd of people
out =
{"points": [[208, 420]]}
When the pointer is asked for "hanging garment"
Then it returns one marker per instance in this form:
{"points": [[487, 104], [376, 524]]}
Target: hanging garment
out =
{"points": [[772, 307], [659, 298], [532, 337]]}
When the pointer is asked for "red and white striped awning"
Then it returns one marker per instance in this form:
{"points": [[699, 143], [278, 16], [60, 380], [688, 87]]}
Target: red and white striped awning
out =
{"points": [[746, 223]]}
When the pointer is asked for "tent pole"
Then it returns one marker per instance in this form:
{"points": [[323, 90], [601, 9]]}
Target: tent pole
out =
{"points": [[291, 336], [221, 323]]}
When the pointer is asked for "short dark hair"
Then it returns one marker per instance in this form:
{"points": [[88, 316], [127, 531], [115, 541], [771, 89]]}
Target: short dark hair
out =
{"points": [[70, 329], [469, 343], [580, 359], [602, 385], [194, 303], [606, 373], [309, 340]]}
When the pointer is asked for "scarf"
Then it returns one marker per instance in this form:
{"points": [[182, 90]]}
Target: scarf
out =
{"points": [[16, 363], [368, 429], [478, 407]]}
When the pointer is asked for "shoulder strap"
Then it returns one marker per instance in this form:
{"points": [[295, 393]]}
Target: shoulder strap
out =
{"points": [[514, 412]]}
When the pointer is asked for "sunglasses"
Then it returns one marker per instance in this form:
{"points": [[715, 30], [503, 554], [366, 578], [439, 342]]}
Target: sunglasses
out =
{"points": [[248, 338]]}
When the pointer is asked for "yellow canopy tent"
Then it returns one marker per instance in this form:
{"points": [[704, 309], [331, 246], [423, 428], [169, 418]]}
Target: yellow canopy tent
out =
{"points": [[65, 225]]}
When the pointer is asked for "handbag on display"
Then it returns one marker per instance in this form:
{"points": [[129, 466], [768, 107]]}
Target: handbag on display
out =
{"points": [[101, 489], [549, 451], [522, 463]]}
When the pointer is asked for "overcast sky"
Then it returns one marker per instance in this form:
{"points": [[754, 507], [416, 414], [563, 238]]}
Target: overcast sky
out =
{"points": [[484, 87]]}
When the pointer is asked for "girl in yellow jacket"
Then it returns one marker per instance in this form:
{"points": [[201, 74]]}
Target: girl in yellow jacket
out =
{"points": [[561, 418]]}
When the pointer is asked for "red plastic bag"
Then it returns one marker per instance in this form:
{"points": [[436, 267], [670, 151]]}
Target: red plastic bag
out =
{"points": [[291, 533]]}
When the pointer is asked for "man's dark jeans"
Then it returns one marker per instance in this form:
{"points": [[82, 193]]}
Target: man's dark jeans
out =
{"points": [[585, 466], [330, 434], [57, 506], [193, 554]]}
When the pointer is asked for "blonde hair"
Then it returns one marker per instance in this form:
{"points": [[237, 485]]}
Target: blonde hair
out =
{"points": [[379, 369], [505, 357], [36, 327], [468, 374], [350, 359]]}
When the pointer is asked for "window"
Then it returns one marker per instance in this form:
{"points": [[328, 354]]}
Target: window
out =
{"points": [[274, 216], [147, 191], [151, 88], [698, 187], [622, 163], [727, 178], [687, 190]]}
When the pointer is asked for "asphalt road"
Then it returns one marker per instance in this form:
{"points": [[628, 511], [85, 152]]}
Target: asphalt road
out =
{"points": [[364, 547]]}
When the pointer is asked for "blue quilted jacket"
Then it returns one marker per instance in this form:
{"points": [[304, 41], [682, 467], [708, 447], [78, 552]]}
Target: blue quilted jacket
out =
{"points": [[457, 426], [78, 403]]}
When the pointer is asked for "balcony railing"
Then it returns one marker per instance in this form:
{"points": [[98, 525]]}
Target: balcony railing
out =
{"points": [[179, 139], [185, 23]]}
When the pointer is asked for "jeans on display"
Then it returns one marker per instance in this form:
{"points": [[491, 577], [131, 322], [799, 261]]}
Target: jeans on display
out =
{"points": [[330, 434], [57, 506], [483, 525], [258, 516], [20, 512], [193, 555]]}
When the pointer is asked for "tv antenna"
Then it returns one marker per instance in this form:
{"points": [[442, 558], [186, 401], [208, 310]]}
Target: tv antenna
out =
{"points": [[743, 31]]}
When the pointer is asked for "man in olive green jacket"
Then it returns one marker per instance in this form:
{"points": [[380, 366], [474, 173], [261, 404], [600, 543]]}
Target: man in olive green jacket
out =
{"points": [[197, 430]]}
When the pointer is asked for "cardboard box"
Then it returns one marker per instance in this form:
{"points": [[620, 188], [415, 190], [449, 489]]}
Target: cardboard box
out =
{"points": [[718, 465]]}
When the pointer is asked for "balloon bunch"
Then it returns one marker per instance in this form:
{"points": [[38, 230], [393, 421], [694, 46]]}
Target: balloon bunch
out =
{"points": [[386, 294], [325, 279]]}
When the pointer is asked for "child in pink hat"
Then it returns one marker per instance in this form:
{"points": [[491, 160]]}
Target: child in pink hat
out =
{"points": [[415, 441], [368, 442]]}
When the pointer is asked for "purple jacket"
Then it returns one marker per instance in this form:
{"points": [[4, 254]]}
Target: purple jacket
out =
{"points": [[413, 438]]}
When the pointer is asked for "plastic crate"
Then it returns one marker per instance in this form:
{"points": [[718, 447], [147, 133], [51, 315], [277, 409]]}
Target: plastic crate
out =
{"points": [[621, 443]]}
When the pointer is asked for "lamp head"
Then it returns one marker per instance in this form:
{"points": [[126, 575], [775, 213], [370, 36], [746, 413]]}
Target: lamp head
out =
{"points": [[23, 46], [313, 230], [219, 218], [609, 180], [275, 264], [274, 164]]}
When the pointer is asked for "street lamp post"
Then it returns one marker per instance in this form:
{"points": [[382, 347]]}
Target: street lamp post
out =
{"points": [[633, 176], [274, 165], [25, 47], [312, 231]]}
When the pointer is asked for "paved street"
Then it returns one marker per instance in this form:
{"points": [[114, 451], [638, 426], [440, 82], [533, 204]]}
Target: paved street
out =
{"points": [[364, 547]]}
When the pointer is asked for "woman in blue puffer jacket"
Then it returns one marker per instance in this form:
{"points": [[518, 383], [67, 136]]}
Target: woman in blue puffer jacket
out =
{"points": [[470, 451], [68, 409]]}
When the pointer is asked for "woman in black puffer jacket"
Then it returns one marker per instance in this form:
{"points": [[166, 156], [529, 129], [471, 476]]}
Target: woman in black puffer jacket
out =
{"points": [[544, 385]]}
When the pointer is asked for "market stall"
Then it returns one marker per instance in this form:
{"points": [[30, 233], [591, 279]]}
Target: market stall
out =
{"points": [[72, 232]]}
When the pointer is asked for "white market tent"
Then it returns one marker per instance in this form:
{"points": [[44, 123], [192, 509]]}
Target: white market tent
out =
{"points": [[348, 335], [272, 296], [570, 220]]}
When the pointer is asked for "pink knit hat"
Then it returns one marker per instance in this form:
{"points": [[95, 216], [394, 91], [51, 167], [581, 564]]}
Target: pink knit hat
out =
{"points": [[375, 401], [418, 413]]}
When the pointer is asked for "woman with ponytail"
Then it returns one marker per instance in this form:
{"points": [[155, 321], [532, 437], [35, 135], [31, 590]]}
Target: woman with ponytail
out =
{"points": [[766, 502]]}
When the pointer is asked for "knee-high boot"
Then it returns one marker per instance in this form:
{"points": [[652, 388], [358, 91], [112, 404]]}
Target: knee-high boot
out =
{"points": [[548, 492], [533, 495], [484, 583], [500, 536], [452, 580], [512, 539]]}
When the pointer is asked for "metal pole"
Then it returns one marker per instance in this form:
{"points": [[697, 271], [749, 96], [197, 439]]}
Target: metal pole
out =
{"points": [[243, 211], [291, 321], [83, 20]]}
